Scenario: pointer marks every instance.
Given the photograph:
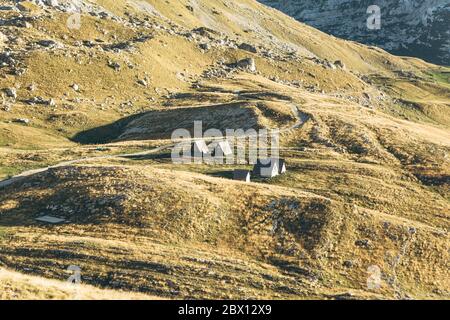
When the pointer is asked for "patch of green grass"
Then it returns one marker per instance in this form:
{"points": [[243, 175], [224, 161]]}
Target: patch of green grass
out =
{"points": [[408, 110], [7, 172]]}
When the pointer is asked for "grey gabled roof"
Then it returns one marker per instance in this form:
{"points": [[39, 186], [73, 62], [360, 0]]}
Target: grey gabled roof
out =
{"points": [[266, 163]]}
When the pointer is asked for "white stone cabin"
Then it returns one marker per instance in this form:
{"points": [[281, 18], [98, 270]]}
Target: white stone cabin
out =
{"points": [[199, 148]]}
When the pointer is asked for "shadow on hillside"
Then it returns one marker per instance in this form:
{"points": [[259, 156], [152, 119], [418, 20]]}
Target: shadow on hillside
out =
{"points": [[433, 180], [106, 133], [257, 95], [222, 174], [151, 156]]}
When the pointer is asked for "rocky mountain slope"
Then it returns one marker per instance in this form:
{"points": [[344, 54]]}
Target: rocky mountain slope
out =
{"points": [[409, 27], [88, 108]]}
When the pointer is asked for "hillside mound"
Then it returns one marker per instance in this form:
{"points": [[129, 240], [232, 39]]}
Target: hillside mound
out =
{"points": [[362, 212], [125, 60]]}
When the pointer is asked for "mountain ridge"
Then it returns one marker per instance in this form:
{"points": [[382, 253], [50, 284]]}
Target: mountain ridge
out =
{"points": [[408, 28]]}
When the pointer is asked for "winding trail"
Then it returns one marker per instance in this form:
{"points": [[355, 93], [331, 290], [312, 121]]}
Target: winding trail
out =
{"points": [[301, 120]]}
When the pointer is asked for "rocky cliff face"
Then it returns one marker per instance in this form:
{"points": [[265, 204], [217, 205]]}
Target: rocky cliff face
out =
{"points": [[408, 27]]}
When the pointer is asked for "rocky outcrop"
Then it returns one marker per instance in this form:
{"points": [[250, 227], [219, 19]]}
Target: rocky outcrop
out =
{"points": [[408, 27]]}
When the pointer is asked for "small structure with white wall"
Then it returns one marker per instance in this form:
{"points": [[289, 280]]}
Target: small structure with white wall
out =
{"points": [[282, 166]]}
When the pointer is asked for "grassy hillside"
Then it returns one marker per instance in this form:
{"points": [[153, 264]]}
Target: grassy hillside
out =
{"points": [[16, 286]]}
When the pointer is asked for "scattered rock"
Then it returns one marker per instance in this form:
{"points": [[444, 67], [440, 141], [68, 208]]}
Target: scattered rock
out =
{"points": [[348, 264], [22, 120], [114, 65], [6, 107], [339, 64], [50, 219], [366, 96], [329, 65], [344, 296], [143, 82], [206, 32], [6, 8], [31, 87], [364, 243], [205, 46], [18, 71], [11, 93], [40, 100], [50, 44], [26, 25]]}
